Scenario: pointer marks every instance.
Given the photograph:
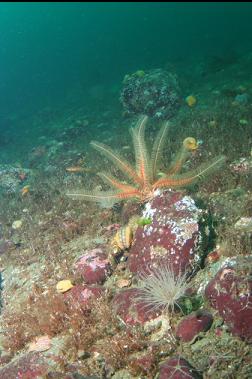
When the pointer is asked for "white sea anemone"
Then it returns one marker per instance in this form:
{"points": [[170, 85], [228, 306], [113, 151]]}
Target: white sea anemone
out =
{"points": [[160, 288]]}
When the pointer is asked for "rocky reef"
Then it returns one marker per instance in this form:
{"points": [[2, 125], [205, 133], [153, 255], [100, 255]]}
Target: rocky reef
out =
{"points": [[158, 287]]}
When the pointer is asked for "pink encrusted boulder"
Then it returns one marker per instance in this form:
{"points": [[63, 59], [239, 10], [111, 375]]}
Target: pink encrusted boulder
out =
{"points": [[171, 238], [177, 368], [28, 366], [130, 310], [81, 294], [193, 324], [144, 363], [93, 266], [230, 292]]}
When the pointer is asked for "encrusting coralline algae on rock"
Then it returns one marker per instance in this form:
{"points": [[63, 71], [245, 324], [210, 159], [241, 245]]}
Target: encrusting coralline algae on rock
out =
{"points": [[190, 326], [177, 368], [93, 266], [172, 237], [229, 292]]}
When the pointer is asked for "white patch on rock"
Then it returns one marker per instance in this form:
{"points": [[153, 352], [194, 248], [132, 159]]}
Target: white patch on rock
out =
{"points": [[186, 204], [148, 211]]}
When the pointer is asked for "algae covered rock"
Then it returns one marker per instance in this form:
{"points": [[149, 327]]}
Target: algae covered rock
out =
{"points": [[29, 365], [172, 238], [81, 295], [154, 93], [12, 178], [93, 266], [230, 292], [177, 368], [191, 325], [131, 311]]}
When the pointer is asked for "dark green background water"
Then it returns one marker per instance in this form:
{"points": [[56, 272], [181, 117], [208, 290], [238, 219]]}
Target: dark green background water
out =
{"points": [[46, 49]]}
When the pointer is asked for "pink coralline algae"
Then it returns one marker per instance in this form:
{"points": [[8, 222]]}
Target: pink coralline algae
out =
{"points": [[82, 294], [193, 324], [172, 237], [131, 311], [144, 363], [28, 366], [93, 266], [230, 292], [177, 368]]}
